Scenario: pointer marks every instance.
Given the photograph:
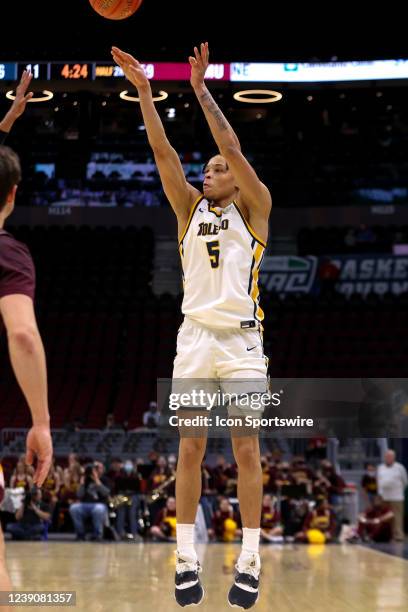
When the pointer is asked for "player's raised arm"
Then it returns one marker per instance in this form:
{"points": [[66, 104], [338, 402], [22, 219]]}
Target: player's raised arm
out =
{"points": [[179, 192], [254, 194], [18, 106]]}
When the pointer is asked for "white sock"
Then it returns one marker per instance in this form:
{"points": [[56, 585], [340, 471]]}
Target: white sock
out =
{"points": [[250, 540], [185, 539]]}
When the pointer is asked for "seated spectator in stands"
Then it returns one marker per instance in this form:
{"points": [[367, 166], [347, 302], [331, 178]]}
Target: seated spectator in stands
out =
{"points": [[283, 476], [322, 519], [224, 477], [151, 417], [328, 483], [115, 471], [369, 484], [375, 523], [160, 474], [271, 527], [316, 450], [301, 473], [293, 515], [226, 523], [268, 473], [73, 465], [93, 496], [31, 517], [164, 527], [103, 476], [110, 423], [127, 484], [21, 476], [52, 485], [68, 493]]}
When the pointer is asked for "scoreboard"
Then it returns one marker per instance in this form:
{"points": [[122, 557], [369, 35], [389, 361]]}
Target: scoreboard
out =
{"points": [[95, 71], [235, 71]]}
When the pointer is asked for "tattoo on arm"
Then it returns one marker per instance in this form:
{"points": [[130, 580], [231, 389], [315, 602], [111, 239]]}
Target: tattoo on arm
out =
{"points": [[208, 102]]}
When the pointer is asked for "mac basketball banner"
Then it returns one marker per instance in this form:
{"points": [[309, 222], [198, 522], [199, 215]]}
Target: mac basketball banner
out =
{"points": [[371, 274], [357, 274]]}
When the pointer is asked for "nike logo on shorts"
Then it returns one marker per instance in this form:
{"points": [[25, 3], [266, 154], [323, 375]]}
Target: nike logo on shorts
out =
{"points": [[252, 348]]}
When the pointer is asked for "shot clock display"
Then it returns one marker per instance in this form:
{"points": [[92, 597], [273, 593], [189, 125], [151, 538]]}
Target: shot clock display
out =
{"points": [[71, 70]]}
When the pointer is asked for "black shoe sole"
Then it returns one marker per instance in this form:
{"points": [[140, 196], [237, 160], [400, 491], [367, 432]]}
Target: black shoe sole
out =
{"points": [[191, 604]]}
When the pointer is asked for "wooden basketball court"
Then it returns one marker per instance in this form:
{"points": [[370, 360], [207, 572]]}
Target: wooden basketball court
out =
{"points": [[129, 577]]}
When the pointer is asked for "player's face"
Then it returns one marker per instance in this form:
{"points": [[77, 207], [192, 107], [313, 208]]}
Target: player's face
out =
{"points": [[218, 179]]}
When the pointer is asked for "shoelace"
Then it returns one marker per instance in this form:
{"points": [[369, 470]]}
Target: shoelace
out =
{"points": [[248, 569], [188, 566]]}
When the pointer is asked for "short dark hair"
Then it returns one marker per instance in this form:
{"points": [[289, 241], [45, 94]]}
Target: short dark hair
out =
{"points": [[207, 162], [10, 173]]}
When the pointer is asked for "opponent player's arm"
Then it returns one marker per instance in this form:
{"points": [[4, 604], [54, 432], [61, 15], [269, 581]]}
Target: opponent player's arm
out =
{"points": [[18, 106], [27, 354], [254, 194], [179, 192]]}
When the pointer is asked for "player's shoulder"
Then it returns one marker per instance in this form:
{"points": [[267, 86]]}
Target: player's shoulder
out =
{"points": [[10, 246]]}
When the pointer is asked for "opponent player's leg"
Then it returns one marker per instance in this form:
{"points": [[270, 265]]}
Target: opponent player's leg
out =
{"points": [[5, 583]]}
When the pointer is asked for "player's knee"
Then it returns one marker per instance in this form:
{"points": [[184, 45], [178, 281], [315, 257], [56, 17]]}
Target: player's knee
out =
{"points": [[192, 450], [246, 453], [24, 336]]}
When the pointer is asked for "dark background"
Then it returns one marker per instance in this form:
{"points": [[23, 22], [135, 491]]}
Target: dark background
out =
{"points": [[166, 31]]}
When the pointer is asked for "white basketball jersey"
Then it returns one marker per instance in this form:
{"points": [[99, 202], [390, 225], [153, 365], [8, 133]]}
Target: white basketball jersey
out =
{"points": [[221, 256]]}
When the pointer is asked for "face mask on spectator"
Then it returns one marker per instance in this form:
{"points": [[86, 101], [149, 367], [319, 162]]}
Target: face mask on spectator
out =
{"points": [[128, 467]]}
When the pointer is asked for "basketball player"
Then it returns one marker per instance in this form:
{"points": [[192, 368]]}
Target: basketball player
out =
{"points": [[222, 236], [17, 283]]}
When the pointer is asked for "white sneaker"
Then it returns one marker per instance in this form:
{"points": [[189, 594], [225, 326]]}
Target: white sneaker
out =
{"points": [[188, 591], [244, 592]]}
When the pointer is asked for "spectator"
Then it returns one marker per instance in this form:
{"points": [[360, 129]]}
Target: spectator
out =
{"points": [[127, 484], [316, 450], [31, 517], [92, 495], [376, 523], [391, 481], [151, 417], [322, 519], [161, 472], [21, 476], [369, 484], [226, 522], [110, 423], [271, 527], [164, 527]]}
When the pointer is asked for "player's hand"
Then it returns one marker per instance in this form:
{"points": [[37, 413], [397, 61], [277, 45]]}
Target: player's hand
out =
{"points": [[199, 65], [39, 446], [22, 97], [131, 67]]}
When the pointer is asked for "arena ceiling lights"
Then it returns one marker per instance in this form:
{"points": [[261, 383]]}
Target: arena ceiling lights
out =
{"points": [[162, 95], [263, 96], [47, 95]]}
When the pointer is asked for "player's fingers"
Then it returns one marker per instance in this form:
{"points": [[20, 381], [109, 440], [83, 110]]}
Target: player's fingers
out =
{"points": [[28, 96], [196, 53], [43, 467], [128, 58], [118, 60], [29, 457], [192, 61]]}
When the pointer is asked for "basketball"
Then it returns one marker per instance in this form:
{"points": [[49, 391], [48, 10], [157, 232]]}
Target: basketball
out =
{"points": [[115, 9]]}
